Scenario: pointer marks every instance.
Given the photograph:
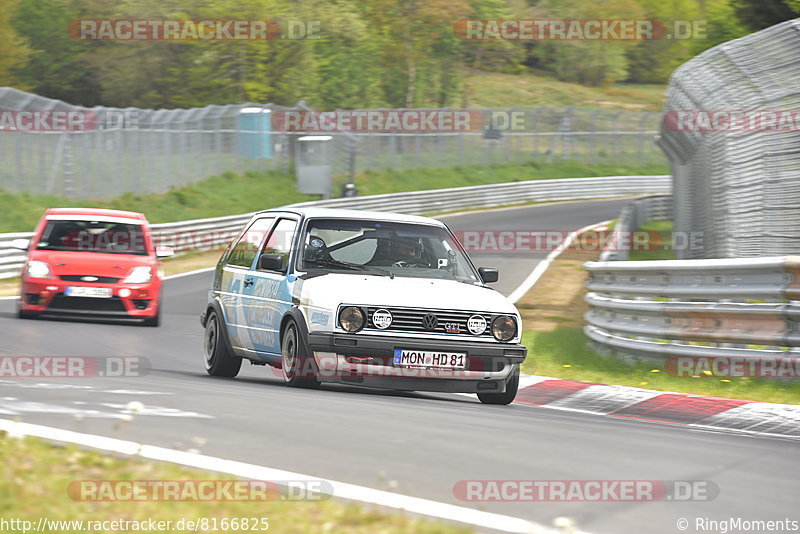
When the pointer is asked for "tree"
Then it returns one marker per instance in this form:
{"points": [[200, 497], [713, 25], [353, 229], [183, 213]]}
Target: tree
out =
{"points": [[14, 52], [589, 62], [760, 14], [722, 25], [654, 60], [417, 45], [57, 66]]}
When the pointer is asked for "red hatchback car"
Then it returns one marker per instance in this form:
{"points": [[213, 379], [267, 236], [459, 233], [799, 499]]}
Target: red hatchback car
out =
{"points": [[92, 263]]}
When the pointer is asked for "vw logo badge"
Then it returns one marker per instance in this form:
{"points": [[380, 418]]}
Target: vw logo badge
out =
{"points": [[430, 321]]}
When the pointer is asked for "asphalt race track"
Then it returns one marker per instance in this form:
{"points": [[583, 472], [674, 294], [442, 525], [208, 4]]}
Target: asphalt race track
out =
{"points": [[415, 444]]}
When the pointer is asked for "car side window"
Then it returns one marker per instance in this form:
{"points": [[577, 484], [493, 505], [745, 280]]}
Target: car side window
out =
{"points": [[280, 240], [244, 251]]}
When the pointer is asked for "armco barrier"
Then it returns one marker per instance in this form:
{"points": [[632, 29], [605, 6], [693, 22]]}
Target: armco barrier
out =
{"points": [[733, 308], [206, 233]]}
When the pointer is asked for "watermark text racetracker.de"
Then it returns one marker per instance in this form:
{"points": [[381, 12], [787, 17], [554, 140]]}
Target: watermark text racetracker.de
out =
{"points": [[578, 29], [192, 29], [72, 366], [412, 121], [514, 240], [69, 120], [199, 490], [729, 120], [174, 526], [584, 490], [733, 366]]}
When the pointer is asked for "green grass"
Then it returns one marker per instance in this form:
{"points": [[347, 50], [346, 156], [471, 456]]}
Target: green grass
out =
{"points": [[663, 252], [377, 182], [564, 353], [494, 89], [232, 194], [34, 477], [228, 194]]}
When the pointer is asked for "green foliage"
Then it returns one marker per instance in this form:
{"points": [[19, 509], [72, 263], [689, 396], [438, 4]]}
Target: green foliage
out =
{"points": [[231, 194], [654, 60], [722, 25], [58, 66], [376, 53], [759, 14], [589, 62], [14, 52]]}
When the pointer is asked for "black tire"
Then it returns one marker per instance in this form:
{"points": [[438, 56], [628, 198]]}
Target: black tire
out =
{"points": [[218, 359], [21, 314], [154, 320], [512, 385], [299, 367]]}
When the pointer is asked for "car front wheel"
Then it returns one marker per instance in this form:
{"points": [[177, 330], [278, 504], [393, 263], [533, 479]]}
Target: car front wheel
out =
{"points": [[218, 359], [512, 385], [298, 365]]}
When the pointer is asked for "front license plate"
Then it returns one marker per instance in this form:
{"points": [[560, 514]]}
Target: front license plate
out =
{"points": [[429, 358], [94, 292]]}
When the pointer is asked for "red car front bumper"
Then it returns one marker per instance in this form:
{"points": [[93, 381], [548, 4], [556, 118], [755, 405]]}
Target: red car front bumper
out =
{"points": [[46, 295]]}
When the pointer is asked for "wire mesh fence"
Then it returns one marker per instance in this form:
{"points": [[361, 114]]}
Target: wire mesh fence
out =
{"points": [[547, 134], [737, 171], [114, 151]]}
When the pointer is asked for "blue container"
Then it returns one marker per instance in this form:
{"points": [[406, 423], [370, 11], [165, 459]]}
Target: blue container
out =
{"points": [[255, 137]]}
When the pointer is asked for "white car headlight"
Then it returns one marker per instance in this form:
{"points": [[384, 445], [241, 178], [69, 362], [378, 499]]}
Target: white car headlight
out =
{"points": [[504, 328], [352, 319], [38, 269], [139, 275]]}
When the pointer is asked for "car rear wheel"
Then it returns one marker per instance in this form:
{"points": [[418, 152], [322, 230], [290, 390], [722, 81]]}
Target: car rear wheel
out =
{"points": [[512, 385], [218, 359], [299, 369]]}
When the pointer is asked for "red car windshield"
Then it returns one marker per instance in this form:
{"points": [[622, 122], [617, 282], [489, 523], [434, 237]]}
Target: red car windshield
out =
{"points": [[93, 236]]}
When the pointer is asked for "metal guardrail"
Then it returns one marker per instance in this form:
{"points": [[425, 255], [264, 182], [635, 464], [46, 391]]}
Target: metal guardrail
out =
{"points": [[737, 185], [650, 310], [204, 234]]}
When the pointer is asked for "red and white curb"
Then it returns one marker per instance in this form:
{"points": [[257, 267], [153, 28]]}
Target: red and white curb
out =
{"points": [[697, 411]]}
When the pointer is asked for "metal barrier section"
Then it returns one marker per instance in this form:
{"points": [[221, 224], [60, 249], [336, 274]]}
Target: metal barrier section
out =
{"points": [[205, 234], [731, 130], [653, 310]]}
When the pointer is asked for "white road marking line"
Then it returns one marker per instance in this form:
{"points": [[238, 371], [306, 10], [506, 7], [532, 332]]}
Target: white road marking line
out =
{"points": [[450, 512], [542, 266], [155, 410], [132, 392], [189, 273]]}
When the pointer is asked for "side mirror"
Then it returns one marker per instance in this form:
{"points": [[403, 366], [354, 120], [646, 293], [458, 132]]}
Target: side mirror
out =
{"points": [[271, 262], [488, 274], [164, 251], [21, 244]]}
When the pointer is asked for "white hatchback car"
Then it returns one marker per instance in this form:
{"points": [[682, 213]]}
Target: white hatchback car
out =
{"points": [[361, 298]]}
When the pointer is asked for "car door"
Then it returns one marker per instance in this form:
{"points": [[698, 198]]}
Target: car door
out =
{"points": [[235, 270], [268, 295]]}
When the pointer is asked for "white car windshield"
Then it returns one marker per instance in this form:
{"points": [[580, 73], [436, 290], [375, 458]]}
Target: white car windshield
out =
{"points": [[384, 247]]}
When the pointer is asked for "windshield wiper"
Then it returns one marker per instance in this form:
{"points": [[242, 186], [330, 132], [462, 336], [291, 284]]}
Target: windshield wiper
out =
{"points": [[356, 267]]}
